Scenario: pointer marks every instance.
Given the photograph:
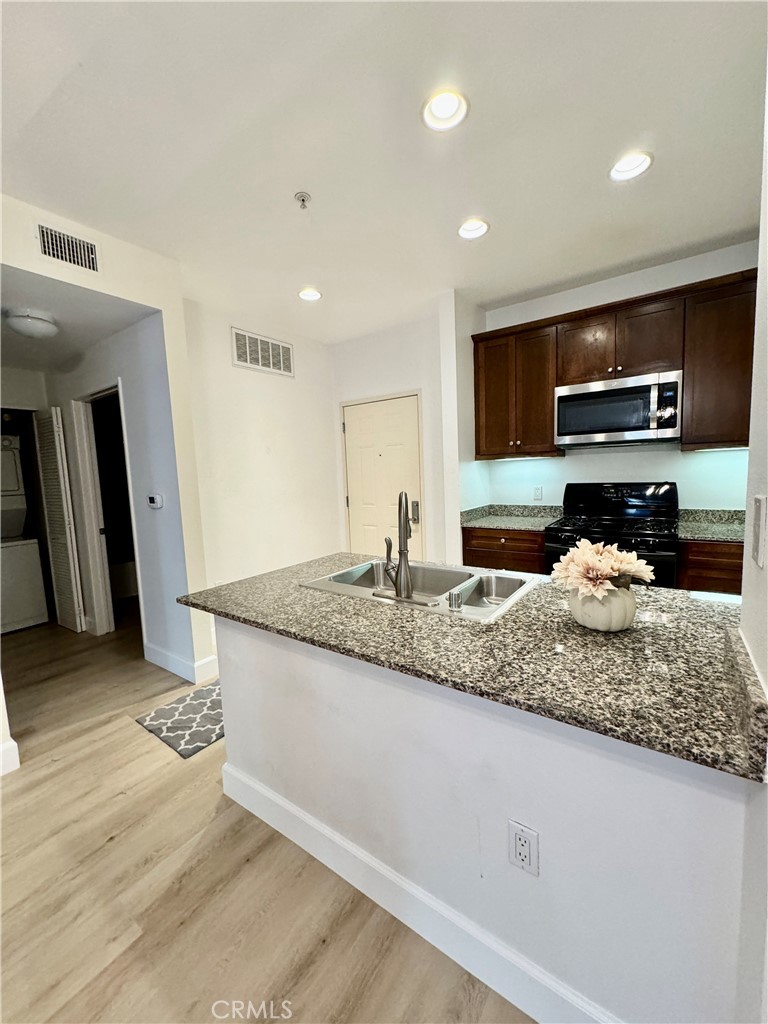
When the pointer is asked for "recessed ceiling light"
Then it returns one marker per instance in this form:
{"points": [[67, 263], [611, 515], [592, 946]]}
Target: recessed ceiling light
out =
{"points": [[473, 228], [630, 166], [310, 294], [32, 323], [444, 110]]}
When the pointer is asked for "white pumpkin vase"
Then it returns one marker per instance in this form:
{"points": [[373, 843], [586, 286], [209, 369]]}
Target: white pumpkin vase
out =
{"points": [[616, 610], [597, 578]]}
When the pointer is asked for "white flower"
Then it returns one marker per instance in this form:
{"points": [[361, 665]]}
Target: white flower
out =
{"points": [[589, 568]]}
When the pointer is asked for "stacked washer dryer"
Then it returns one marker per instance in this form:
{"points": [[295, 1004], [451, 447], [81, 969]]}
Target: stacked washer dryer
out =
{"points": [[22, 594]]}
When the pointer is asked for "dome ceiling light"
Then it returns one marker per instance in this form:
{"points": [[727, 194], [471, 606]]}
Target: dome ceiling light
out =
{"points": [[630, 166], [32, 323], [444, 110], [310, 294]]}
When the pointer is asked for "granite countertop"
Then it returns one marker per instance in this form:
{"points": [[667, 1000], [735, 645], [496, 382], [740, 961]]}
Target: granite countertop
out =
{"points": [[722, 524], [511, 517], [695, 523], [678, 681]]}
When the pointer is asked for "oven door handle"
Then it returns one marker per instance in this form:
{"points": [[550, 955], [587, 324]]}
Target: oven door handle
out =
{"points": [[653, 419]]}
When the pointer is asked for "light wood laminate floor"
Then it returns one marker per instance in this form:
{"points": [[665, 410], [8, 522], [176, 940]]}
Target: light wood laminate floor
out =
{"points": [[135, 891]]}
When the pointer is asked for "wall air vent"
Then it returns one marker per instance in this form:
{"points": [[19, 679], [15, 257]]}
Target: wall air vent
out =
{"points": [[253, 352], [68, 248]]}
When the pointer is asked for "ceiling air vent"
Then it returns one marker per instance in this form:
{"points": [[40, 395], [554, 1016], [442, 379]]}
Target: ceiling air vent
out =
{"points": [[68, 248], [253, 352]]}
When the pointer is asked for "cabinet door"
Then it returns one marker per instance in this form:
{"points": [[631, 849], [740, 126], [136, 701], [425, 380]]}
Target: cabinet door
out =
{"points": [[649, 338], [586, 350], [717, 367], [714, 566], [535, 391], [494, 397]]}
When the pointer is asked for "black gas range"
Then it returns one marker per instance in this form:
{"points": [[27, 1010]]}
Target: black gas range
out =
{"points": [[638, 517]]}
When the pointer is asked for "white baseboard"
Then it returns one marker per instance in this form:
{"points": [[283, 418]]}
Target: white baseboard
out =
{"points": [[9, 757], [193, 672], [499, 966]]}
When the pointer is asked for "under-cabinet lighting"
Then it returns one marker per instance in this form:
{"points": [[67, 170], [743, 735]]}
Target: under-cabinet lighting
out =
{"points": [[630, 166]]}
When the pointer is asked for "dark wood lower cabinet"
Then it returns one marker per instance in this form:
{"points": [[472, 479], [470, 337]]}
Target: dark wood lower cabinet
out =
{"points": [[522, 550], [711, 565]]}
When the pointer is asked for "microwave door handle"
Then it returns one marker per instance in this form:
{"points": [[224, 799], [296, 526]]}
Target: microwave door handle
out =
{"points": [[653, 420]]}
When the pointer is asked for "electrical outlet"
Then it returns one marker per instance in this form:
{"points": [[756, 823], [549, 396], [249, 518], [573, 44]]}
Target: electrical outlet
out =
{"points": [[538, 493], [524, 847]]}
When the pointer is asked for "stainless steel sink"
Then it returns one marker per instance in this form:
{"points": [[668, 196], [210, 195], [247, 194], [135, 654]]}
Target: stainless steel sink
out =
{"points": [[490, 591], [446, 590]]}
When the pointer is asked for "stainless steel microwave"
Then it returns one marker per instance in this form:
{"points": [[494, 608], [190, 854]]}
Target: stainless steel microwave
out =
{"points": [[626, 410]]}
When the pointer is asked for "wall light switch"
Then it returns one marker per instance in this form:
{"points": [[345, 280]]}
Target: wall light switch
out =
{"points": [[759, 528], [538, 493]]}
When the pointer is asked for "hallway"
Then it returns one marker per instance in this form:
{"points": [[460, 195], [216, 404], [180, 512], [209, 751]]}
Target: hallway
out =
{"points": [[135, 891]]}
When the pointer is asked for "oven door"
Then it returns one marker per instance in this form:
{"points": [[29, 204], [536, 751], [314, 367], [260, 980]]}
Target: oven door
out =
{"points": [[624, 411]]}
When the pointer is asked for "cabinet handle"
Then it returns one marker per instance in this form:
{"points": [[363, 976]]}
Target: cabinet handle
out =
{"points": [[511, 442], [517, 442], [619, 367], [610, 369], [503, 540]]}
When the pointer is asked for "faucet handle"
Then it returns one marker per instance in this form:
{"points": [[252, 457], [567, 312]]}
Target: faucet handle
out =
{"points": [[388, 542]]}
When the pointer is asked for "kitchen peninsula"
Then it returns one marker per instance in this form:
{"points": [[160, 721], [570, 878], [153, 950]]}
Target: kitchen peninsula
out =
{"points": [[635, 756]]}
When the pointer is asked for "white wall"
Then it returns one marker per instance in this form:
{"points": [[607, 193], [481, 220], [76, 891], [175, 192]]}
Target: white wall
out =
{"points": [[9, 751], [475, 473], [266, 448], [642, 897], [22, 389], [404, 359], [627, 286], [716, 479], [754, 608], [705, 479], [755, 582], [136, 356], [140, 275]]}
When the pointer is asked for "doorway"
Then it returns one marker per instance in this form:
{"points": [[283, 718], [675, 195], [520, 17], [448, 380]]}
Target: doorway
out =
{"points": [[117, 520], [382, 443], [108, 523]]}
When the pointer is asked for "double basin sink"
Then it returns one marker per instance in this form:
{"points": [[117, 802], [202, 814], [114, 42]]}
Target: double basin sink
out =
{"points": [[445, 590]]}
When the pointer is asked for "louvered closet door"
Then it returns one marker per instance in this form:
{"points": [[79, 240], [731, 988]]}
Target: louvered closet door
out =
{"points": [[60, 527], [383, 458]]}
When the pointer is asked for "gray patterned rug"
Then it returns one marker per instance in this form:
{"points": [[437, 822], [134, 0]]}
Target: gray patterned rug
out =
{"points": [[189, 723]]}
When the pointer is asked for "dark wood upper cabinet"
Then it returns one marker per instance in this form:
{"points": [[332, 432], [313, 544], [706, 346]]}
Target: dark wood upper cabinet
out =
{"points": [[586, 350], [649, 338], [707, 328], [514, 395], [494, 397], [535, 391], [717, 374]]}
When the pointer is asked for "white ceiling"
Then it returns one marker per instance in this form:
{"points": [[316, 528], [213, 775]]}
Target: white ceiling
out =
{"points": [[187, 128], [84, 317]]}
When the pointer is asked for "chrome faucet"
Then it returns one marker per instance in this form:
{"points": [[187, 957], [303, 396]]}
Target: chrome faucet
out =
{"points": [[400, 574]]}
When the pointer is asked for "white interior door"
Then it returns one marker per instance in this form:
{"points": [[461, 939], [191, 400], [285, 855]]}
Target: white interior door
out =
{"points": [[383, 458], [60, 527]]}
